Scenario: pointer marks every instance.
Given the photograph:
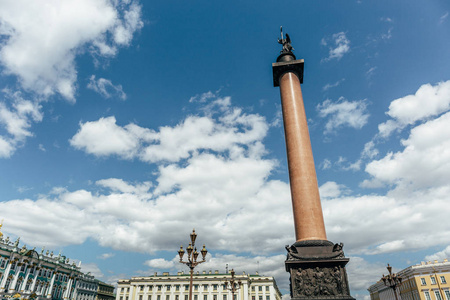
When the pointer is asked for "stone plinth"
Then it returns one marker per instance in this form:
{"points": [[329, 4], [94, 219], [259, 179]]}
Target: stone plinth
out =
{"points": [[317, 271]]}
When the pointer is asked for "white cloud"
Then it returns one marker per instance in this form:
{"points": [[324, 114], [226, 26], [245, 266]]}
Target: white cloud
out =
{"points": [[362, 274], [388, 34], [207, 178], [331, 189], [341, 46], [106, 255], [160, 263], [43, 39], [105, 88], [325, 164], [343, 113], [443, 18], [370, 72], [119, 185], [428, 101], [104, 137], [332, 85], [203, 97], [425, 152], [92, 268], [439, 256], [16, 117], [232, 131]]}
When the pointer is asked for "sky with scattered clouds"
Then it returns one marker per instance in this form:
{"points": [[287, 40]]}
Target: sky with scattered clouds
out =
{"points": [[125, 124]]}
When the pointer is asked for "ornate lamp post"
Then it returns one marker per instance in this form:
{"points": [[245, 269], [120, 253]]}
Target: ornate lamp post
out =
{"points": [[231, 286], [392, 280], [192, 256]]}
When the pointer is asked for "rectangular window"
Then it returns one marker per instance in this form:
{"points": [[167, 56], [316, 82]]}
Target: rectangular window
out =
{"points": [[260, 288], [141, 287], [177, 297], [423, 281], [196, 287], [215, 287], [267, 297], [427, 295], [167, 287], [159, 288], [158, 297], [186, 297], [224, 297], [177, 287], [253, 288], [149, 297], [267, 288], [205, 297], [186, 288], [140, 297], [447, 294], [443, 279], [150, 288], [260, 297], [167, 297], [253, 298], [214, 297], [438, 295], [433, 280], [195, 297], [3, 263]]}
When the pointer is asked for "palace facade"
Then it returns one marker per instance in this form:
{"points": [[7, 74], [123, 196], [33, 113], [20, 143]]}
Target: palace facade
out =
{"points": [[425, 281], [27, 274], [206, 286]]}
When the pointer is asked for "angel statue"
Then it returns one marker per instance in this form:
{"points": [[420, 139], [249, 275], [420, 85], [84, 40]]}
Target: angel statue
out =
{"points": [[286, 42]]}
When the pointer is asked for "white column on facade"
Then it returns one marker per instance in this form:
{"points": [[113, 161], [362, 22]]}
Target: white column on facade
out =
{"points": [[272, 292], [33, 285], [16, 276], [52, 282], [245, 290], [5, 275], [67, 292], [24, 283]]}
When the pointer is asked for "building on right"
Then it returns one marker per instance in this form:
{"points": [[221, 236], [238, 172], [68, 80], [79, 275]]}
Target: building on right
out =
{"points": [[424, 281]]}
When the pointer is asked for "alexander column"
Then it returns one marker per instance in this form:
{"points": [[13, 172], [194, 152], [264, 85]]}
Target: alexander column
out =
{"points": [[316, 265]]}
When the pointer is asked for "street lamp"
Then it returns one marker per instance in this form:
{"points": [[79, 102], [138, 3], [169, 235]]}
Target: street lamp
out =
{"points": [[192, 256], [392, 280], [232, 286]]}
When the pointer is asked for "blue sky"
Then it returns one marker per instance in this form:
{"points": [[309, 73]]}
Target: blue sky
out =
{"points": [[125, 124]]}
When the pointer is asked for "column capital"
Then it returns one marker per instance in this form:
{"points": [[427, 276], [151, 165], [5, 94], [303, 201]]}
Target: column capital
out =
{"points": [[281, 67]]}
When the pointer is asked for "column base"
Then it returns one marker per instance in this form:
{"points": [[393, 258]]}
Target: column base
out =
{"points": [[317, 271]]}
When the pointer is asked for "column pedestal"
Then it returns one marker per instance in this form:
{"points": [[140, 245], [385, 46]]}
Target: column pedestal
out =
{"points": [[317, 271]]}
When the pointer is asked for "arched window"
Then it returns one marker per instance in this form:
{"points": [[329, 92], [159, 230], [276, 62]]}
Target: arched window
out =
{"points": [[8, 283], [37, 287], [18, 284], [58, 295], [27, 286]]}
